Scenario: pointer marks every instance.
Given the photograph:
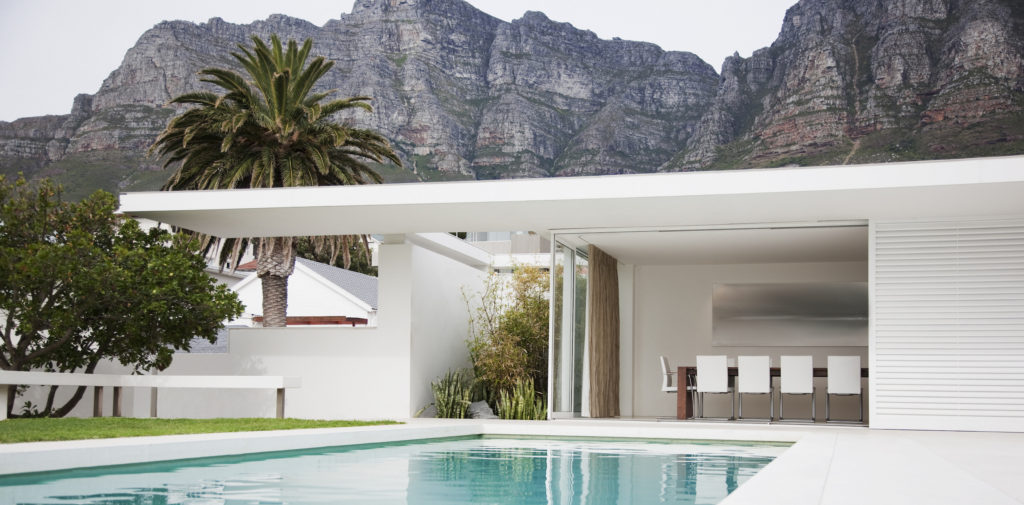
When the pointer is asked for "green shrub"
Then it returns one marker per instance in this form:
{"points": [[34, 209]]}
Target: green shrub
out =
{"points": [[451, 395], [522, 403]]}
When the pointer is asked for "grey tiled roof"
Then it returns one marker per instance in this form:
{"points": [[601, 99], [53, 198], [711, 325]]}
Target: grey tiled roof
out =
{"points": [[362, 286]]}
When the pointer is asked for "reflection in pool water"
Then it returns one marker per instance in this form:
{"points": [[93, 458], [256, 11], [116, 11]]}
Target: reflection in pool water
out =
{"points": [[452, 471]]}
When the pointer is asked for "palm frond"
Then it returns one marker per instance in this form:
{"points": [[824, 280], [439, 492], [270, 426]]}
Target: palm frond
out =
{"points": [[269, 128]]}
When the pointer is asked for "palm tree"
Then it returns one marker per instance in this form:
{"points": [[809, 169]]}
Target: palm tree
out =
{"points": [[269, 129]]}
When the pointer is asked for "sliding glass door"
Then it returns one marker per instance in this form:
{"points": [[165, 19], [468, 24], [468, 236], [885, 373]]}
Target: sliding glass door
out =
{"points": [[568, 330]]}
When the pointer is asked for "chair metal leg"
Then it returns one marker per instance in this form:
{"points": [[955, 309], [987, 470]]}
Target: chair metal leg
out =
{"points": [[814, 417], [812, 394], [771, 403], [732, 404], [733, 398], [860, 408]]}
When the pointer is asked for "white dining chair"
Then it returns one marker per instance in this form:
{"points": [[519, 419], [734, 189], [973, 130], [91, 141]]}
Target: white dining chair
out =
{"points": [[796, 378], [667, 385], [713, 377], [844, 380], [755, 378]]}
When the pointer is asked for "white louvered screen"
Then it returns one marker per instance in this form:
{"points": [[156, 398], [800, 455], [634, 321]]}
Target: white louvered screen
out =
{"points": [[947, 346]]}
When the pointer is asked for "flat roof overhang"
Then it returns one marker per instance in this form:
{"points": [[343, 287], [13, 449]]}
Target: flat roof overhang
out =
{"points": [[931, 189]]}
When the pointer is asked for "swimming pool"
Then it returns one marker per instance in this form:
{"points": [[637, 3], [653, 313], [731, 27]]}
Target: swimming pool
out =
{"points": [[465, 470]]}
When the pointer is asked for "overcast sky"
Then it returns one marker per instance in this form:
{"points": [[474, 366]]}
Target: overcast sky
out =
{"points": [[55, 49]]}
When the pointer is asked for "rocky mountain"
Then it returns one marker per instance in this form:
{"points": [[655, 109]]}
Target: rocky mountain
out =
{"points": [[464, 95], [857, 81]]}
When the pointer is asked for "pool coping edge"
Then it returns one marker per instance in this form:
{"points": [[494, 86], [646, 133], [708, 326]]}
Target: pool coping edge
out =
{"points": [[32, 457]]}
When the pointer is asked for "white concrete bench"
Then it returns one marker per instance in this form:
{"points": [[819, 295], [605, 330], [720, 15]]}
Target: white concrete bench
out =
{"points": [[99, 381]]}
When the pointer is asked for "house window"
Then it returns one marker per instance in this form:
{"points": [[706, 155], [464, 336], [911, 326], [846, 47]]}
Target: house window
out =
{"points": [[568, 330]]}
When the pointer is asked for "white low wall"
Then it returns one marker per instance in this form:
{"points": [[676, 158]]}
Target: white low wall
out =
{"points": [[343, 370], [345, 373]]}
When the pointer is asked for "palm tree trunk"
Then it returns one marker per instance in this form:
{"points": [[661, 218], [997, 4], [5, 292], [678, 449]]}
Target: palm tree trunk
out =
{"points": [[275, 301], [275, 260]]}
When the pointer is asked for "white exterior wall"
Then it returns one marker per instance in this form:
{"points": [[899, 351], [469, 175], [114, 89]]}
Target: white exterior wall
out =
{"points": [[308, 295], [343, 372], [672, 317], [947, 336], [439, 324]]}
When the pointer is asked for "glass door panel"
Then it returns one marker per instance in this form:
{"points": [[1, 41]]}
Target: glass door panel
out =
{"points": [[568, 330]]}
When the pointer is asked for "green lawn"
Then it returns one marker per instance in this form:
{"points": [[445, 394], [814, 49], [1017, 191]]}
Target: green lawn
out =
{"points": [[37, 430]]}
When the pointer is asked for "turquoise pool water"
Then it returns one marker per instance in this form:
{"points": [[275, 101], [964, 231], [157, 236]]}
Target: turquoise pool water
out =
{"points": [[506, 471]]}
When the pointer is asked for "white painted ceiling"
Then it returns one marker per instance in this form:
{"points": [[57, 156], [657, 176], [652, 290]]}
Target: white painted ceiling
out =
{"points": [[732, 246]]}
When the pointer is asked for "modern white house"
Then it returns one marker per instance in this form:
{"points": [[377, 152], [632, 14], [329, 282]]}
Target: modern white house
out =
{"points": [[939, 244], [225, 276]]}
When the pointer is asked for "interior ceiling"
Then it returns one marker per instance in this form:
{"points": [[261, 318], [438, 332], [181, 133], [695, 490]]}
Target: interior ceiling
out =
{"points": [[732, 246]]}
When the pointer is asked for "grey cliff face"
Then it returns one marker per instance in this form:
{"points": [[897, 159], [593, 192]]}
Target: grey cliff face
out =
{"points": [[464, 95], [563, 102], [871, 81]]}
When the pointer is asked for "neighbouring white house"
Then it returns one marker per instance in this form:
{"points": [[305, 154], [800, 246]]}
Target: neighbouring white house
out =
{"points": [[318, 294], [939, 246], [225, 276]]}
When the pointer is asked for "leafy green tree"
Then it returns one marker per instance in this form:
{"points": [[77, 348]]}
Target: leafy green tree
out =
{"points": [[79, 284], [528, 321], [508, 342], [270, 129]]}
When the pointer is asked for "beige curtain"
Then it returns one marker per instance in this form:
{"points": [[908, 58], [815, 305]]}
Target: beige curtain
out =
{"points": [[603, 323]]}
